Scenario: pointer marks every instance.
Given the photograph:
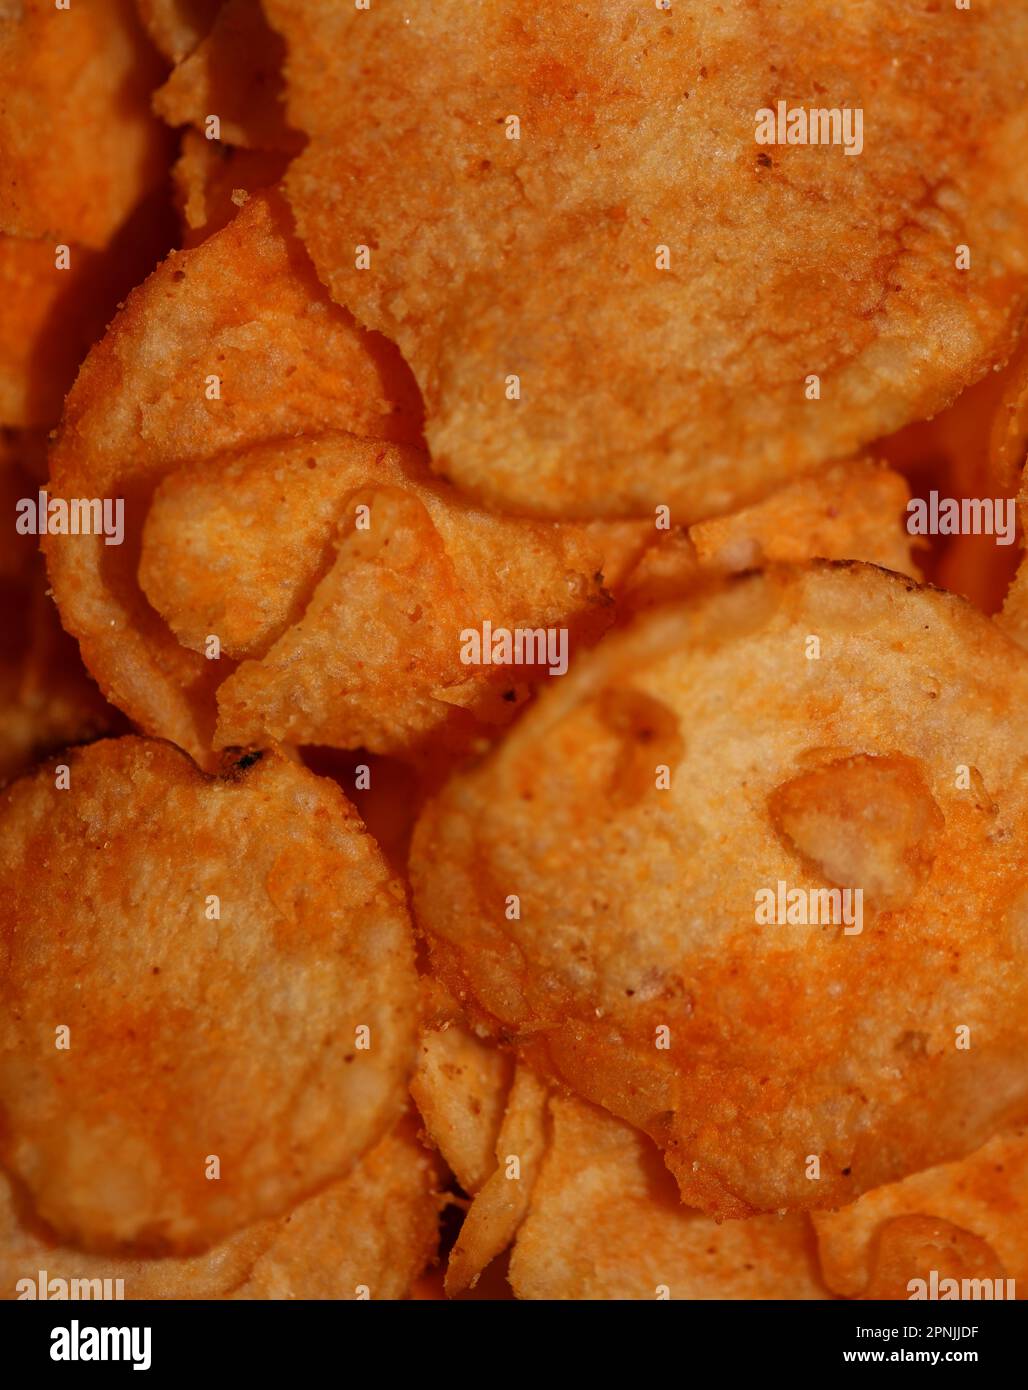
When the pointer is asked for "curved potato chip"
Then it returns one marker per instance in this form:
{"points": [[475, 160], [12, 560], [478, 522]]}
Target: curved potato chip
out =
{"points": [[605, 1222], [236, 1024], [212, 182], [177, 26], [31, 1257], [460, 1086], [983, 1196], [81, 148], [377, 1227], [346, 610], [683, 825], [500, 1204], [235, 74], [524, 205], [369, 1236], [201, 360]]}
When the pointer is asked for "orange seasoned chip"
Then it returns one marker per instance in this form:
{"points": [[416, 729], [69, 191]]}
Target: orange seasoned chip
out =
{"points": [[761, 980], [605, 1222], [192, 1041], [851, 511], [630, 256], [275, 520], [369, 1236], [230, 86], [81, 149], [213, 181], [500, 1204], [36, 1264], [460, 1086], [963, 1220]]}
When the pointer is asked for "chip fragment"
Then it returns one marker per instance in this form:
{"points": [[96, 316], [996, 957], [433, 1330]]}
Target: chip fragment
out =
{"points": [[613, 891], [605, 1222], [192, 1042], [500, 1204], [233, 75], [525, 206]]}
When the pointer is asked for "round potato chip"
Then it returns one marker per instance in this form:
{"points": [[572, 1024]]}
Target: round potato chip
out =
{"points": [[640, 255], [752, 877], [208, 993], [81, 148], [35, 1264], [374, 1230], [984, 1197], [605, 1222]]}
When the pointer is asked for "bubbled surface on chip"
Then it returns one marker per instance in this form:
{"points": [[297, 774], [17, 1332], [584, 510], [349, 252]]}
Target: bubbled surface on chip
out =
{"points": [[208, 990], [643, 819], [611, 294]]}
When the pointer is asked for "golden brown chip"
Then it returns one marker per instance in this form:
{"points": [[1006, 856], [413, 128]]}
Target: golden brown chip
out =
{"points": [[850, 511], [674, 945], [605, 1222], [46, 698], [208, 991], [235, 75], [964, 1220], [213, 181], [336, 568], [81, 149], [177, 26], [35, 1264], [500, 1204], [368, 1236], [460, 1086], [611, 292]]}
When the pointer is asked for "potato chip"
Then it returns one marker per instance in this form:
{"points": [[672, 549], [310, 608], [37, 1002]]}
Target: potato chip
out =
{"points": [[192, 1040], [46, 698], [81, 149], [983, 1198], [35, 1264], [177, 26], [525, 205], [234, 74], [851, 511], [460, 1086], [280, 524], [376, 1229], [220, 361], [605, 1222], [213, 181], [368, 1236], [911, 1251], [796, 1007], [500, 1204]]}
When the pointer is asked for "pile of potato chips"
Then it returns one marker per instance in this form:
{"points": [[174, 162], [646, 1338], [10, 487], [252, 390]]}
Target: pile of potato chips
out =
{"points": [[514, 649]]}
